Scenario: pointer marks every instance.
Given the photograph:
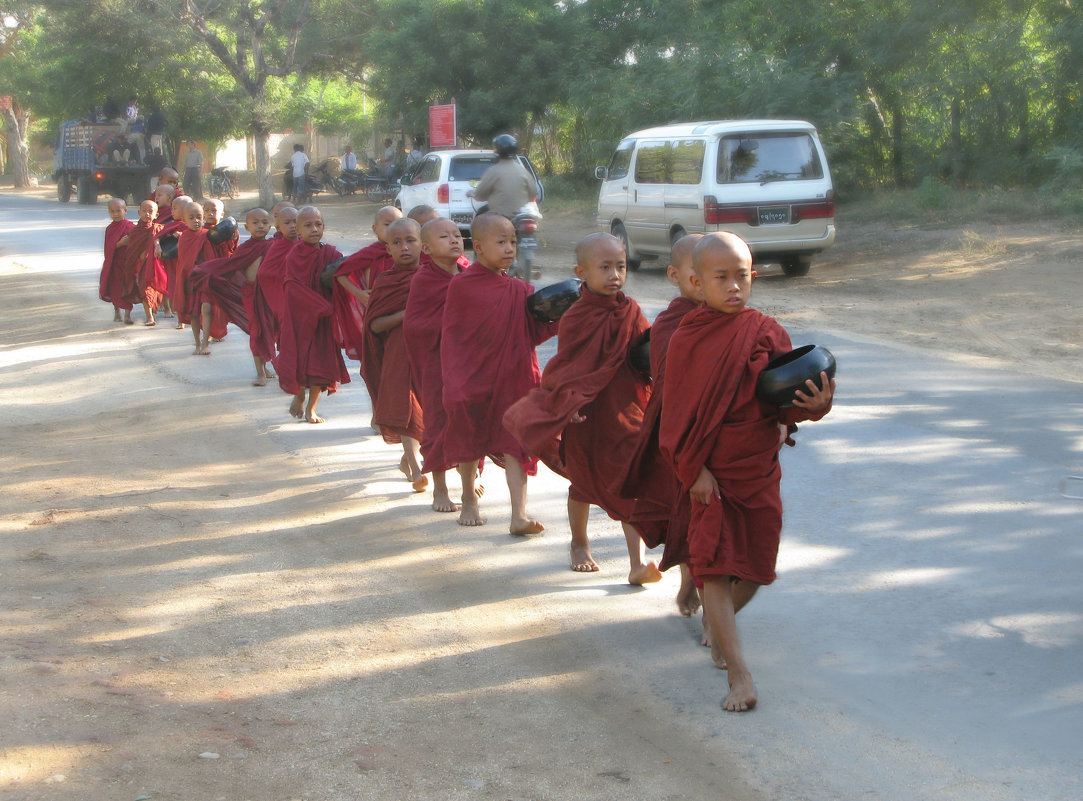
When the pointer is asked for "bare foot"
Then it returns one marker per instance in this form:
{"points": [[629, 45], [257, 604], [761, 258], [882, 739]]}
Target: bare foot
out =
{"points": [[116, 316], [687, 597], [526, 528], [272, 374], [129, 321], [179, 326], [705, 640], [421, 483], [441, 502], [742, 696], [312, 417], [297, 407], [261, 381], [582, 561], [470, 515], [403, 466], [716, 655], [203, 350], [150, 323], [647, 573]]}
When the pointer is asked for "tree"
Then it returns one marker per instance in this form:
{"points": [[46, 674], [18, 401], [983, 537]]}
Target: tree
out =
{"points": [[17, 26]]}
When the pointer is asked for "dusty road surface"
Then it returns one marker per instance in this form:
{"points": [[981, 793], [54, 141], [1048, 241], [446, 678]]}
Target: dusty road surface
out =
{"points": [[205, 600]]}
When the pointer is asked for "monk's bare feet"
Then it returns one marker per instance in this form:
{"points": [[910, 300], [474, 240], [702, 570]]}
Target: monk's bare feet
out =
{"points": [[150, 322], [297, 407], [421, 483], [647, 573], [128, 320], [203, 350], [116, 315], [441, 501], [716, 654], [271, 373], [742, 695], [404, 466], [179, 326], [312, 417], [525, 527], [582, 561], [705, 640], [470, 514], [261, 381], [687, 595]]}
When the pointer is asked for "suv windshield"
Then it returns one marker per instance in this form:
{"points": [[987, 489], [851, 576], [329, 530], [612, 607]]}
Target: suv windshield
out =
{"points": [[786, 156], [469, 168]]}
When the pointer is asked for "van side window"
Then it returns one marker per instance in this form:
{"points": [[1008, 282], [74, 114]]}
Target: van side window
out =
{"points": [[784, 156], [429, 172], [652, 162], [621, 161], [687, 161]]}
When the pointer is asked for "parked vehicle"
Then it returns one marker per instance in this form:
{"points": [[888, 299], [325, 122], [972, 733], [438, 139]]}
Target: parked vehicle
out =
{"points": [[221, 184], [443, 178], [83, 165], [350, 181], [765, 180], [526, 235]]}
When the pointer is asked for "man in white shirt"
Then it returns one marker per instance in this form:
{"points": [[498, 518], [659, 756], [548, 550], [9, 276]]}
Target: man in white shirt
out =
{"points": [[299, 163], [349, 159]]}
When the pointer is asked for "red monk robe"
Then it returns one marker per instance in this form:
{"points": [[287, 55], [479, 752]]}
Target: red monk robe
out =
{"points": [[589, 375], [361, 269], [193, 248], [111, 283], [421, 328], [385, 365], [711, 416], [221, 282], [145, 280], [649, 475], [170, 265], [308, 355], [488, 362], [268, 299]]}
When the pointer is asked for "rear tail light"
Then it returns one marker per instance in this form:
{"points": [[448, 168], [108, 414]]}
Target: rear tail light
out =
{"points": [[715, 213], [99, 176], [529, 226], [443, 193], [813, 210]]}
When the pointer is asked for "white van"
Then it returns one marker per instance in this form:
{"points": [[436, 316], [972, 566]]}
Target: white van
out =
{"points": [[765, 180]]}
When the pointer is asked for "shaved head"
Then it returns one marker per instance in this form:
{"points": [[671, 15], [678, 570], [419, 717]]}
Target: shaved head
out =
{"points": [[589, 244], [405, 222], [719, 245], [485, 224], [681, 252]]}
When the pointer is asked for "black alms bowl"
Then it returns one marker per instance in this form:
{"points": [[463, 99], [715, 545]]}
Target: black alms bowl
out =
{"points": [[327, 277], [639, 355], [169, 246], [787, 373], [549, 303], [223, 230]]}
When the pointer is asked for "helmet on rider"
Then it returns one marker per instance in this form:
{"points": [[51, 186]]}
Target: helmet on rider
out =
{"points": [[505, 146]]}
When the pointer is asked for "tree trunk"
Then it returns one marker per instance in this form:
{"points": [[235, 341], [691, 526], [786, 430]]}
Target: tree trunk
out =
{"points": [[956, 139], [16, 123], [897, 161], [261, 137]]}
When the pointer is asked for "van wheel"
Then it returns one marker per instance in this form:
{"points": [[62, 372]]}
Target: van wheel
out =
{"points": [[622, 235], [795, 266], [63, 188]]}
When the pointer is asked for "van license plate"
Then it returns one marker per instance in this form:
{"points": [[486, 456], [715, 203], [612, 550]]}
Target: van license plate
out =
{"points": [[774, 215]]}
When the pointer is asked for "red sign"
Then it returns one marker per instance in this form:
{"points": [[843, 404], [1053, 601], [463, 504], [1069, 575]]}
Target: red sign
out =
{"points": [[5, 102], [442, 126]]}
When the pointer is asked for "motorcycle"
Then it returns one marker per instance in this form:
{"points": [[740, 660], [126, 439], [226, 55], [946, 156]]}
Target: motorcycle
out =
{"points": [[526, 235], [350, 181]]}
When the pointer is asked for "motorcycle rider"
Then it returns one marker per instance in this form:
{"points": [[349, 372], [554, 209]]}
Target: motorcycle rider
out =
{"points": [[506, 186]]}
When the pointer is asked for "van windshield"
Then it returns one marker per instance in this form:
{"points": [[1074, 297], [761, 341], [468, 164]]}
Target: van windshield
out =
{"points": [[767, 157]]}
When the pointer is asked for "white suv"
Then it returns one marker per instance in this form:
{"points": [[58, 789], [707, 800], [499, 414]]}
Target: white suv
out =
{"points": [[442, 179]]}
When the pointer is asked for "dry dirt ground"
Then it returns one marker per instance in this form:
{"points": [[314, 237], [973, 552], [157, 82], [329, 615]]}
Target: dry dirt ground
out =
{"points": [[211, 616]]}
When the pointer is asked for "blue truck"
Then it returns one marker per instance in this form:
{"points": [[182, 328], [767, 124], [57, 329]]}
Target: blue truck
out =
{"points": [[84, 165]]}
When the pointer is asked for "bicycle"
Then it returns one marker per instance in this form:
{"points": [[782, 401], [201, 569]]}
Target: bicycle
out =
{"points": [[221, 184]]}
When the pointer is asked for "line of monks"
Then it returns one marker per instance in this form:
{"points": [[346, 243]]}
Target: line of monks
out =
{"points": [[447, 352]]}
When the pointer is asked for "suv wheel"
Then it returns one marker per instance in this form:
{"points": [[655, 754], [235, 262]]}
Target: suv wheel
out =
{"points": [[622, 235], [795, 265]]}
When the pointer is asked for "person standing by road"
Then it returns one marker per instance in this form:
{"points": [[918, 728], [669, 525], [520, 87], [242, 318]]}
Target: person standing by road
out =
{"points": [[507, 186], [193, 171], [349, 159]]}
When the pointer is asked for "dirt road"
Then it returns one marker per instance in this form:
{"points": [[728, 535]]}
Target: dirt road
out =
{"points": [[205, 600]]}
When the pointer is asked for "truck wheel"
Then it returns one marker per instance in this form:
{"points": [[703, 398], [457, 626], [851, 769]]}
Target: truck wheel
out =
{"points": [[795, 266], [63, 188], [85, 192], [620, 233]]}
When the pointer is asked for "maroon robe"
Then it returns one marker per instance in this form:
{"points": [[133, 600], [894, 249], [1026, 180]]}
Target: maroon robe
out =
{"points": [[488, 362], [193, 248], [421, 328], [385, 365], [712, 417], [111, 282], [170, 265], [308, 354], [268, 300], [589, 375], [145, 280], [361, 269], [221, 283]]}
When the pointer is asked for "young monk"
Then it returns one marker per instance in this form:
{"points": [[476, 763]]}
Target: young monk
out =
{"points": [[214, 213], [219, 284], [192, 249], [584, 419], [648, 472], [308, 355], [144, 277], [174, 226], [354, 280], [488, 362], [268, 299], [163, 199], [723, 443], [385, 365], [441, 258], [111, 281]]}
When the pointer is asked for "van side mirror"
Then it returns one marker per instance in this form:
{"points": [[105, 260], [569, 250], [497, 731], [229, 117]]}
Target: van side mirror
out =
{"points": [[601, 173]]}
